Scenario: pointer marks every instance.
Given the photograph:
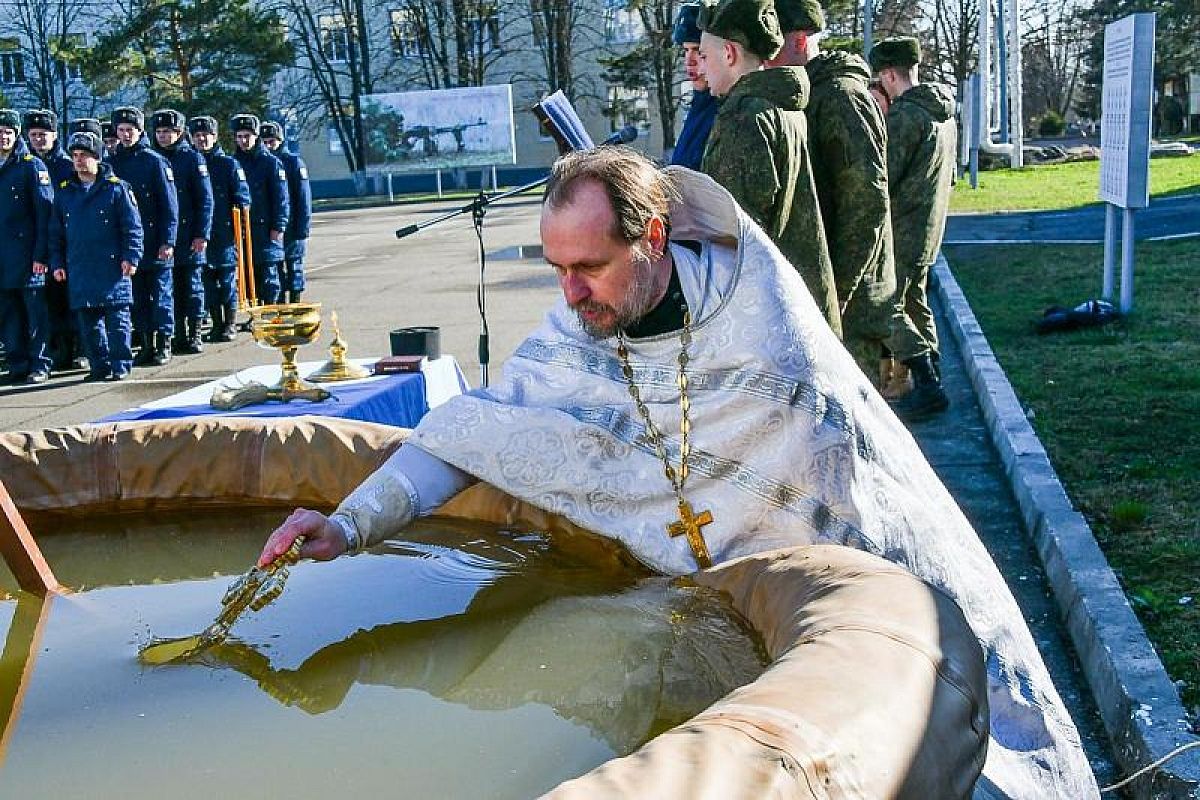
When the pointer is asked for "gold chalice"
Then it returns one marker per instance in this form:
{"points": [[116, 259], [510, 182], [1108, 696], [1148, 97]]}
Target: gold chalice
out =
{"points": [[287, 327]]}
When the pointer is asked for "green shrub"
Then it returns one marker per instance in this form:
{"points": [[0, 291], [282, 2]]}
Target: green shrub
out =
{"points": [[1051, 124]]}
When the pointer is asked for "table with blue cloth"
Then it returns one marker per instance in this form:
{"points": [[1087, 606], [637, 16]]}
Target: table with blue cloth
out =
{"points": [[399, 400]]}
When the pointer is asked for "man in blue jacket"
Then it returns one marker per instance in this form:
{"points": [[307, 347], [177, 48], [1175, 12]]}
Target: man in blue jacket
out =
{"points": [[230, 195], [295, 238], [269, 205], [194, 192], [25, 197], [96, 238], [41, 130], [150, 177], [702, 110]]}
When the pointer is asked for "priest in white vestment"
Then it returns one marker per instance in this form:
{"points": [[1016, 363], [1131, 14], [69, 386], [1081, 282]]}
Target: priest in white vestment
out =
{"points": [[786, 442]]}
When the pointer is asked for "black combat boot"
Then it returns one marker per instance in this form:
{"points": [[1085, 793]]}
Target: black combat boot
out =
{"points": [[160, 356], [294, 297], [190, 343], [228, 328], [927, 397], [215, 313], [145, 352]]}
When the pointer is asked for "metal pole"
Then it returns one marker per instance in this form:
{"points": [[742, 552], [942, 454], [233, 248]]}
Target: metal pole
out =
{"points": [[495, 183], [1127, 244], [1002, 69], [1110, 251], [976, 132], [1016, 110], [391, 194], [439, 182], [868, 27]]}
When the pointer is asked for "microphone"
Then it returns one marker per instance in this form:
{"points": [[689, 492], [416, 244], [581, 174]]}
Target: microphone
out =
{"points": [[624, 136]]}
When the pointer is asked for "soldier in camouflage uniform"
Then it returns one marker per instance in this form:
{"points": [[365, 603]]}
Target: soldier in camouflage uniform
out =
{"points": [[757, 146], [847, 139], [922, 145]]}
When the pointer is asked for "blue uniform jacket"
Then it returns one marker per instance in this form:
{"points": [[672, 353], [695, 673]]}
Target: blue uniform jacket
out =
{"points": [[229, 191], [269, 204], [150, 177], [689, 148], [58, 163], [91, 232], [25, 197], [299, 197], [194, 192]]}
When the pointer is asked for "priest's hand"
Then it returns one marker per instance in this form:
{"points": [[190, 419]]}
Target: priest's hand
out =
{"points": [[324, 540]]}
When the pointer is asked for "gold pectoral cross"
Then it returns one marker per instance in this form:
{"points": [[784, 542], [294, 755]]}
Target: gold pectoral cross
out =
{"points": [[689, 525]]}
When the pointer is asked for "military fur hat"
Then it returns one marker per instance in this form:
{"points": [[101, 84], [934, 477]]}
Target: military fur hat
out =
{"points": [[800, 15], [9, 118], [167, 118], [86, 140], [686, 30], [244, 122], [202, 125], [130, 116], [42, 119], [898, 51], [85, 124], [108, 129], [751, 23], [270, 130]]}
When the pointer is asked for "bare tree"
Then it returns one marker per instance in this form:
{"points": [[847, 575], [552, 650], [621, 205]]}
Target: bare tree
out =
{"points": [[1054, 46], [49, 39]]}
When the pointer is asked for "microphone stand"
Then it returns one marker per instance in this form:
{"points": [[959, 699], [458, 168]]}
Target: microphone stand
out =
{"points": [[477, 208]]}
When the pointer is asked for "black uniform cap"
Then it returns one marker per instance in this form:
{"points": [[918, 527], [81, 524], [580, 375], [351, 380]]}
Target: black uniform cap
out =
{"points": [[108, 129], [41, 118], [271, 130], [86, 140], [686, 30], [9, 118], [167, 118], [202, 125], [244, 122], [129, 115], [85, 125]]}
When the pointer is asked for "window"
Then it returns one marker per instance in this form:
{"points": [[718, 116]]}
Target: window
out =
{"points": [[335, 36], [335, 142], [629, 107], [483, 28], [12, 62], [406, 34], [622, 24], [66, 60]]}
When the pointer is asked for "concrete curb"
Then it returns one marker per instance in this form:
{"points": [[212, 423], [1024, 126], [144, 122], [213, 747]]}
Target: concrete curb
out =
{"points": [[1138, 703]]}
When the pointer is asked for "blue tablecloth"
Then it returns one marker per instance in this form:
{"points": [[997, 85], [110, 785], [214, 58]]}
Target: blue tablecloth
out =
{"points": [[399, 400]]}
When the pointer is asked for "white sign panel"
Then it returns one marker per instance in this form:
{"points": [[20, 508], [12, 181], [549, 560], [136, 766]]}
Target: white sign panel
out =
{"points": [[439, 129], [1125, 111]]}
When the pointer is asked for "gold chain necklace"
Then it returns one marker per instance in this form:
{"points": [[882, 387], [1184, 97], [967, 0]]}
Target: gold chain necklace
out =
{"points": [[689, 523]]}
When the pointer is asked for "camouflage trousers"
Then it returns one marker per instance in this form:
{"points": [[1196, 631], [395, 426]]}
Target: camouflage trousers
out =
{"points": [[913, 330], [867, 325]]}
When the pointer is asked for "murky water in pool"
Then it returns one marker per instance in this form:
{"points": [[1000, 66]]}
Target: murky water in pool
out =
{"points": [[459, 662]]}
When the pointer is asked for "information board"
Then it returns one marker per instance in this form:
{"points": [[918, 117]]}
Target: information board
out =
{"points": [[1126, 106]]}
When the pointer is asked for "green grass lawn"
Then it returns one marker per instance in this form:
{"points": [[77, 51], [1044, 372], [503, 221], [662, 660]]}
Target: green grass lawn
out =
{"points": [[1064, 185], [1118, 410]]}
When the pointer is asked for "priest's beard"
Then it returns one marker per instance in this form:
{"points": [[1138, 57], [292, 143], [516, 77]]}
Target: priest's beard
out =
{"points": [[638, 302]]}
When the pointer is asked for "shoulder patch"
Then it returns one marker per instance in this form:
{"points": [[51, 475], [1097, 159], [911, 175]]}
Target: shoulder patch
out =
{"points": [[203, 170], [170, 175], [43, 178], [282, 174], [27, 157], [63, 184], [303, 172], [241, 174], [111, 179]]}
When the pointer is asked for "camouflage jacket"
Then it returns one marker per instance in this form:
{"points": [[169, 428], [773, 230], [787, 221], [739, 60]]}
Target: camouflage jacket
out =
{"points": [[922, 150], [847, 137], [757, 151]]}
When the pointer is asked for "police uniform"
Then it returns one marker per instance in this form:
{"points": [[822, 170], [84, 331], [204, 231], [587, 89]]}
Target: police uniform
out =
{"points": [[25, 198], [295, 238], [230, 194], [193, 190], [269, 207], [92, 230], [63, 342], [150, 177]]}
